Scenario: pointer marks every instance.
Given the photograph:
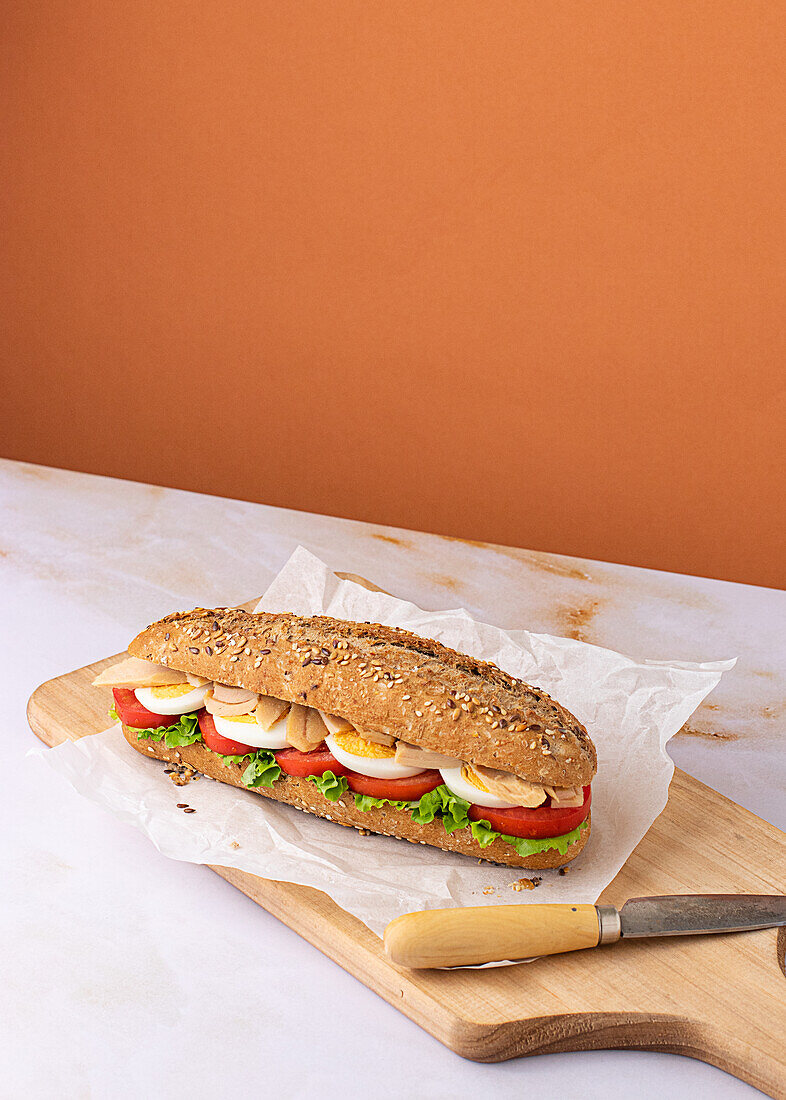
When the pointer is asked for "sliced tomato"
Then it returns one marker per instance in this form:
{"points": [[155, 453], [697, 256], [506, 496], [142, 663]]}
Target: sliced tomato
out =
{"points": [[316, 762], [131, 712], [216, 742], [397, 790], [541, 822]]}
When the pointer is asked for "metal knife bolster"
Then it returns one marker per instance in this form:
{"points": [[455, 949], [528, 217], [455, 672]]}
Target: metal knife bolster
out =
{"points": [[689, 915], [609, 924]]}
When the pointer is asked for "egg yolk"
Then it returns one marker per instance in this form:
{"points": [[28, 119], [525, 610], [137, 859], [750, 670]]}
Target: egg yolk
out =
{"points": [[172, 691], [359, 746], [470, 776], [250, 718]]}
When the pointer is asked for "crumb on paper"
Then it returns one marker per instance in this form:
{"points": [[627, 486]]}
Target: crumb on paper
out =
{"points": [[488, 889], [525, 884], [234, 844], [563, 871], [180, 774]]}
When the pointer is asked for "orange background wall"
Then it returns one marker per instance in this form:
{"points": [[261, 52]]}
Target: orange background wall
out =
{"points": [[506, 270]]}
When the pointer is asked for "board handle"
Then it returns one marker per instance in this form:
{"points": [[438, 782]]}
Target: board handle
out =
{"points": [[493, 933]]}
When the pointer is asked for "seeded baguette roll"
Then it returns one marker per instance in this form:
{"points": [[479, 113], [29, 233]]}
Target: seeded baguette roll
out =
{"points": [[385, 679], [384, 819]]}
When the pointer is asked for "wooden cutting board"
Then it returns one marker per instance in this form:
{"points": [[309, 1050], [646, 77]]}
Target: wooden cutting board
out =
{"points": [[721, 999]]}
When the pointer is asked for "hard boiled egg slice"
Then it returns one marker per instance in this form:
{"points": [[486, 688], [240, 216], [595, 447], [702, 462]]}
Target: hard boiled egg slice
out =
{"points": [[245, 729], [464, 784], [367, 757], [172, 698]]}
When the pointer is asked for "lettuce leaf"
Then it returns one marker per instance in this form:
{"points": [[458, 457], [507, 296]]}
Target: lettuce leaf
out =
{"points": [[443, 803], [184, 732], [428, 807], [330, 785], [366, 802], [454, 811], [483, 833], [227, 760], [440, 803], [263, 771], [113, 714], [525, 846]]}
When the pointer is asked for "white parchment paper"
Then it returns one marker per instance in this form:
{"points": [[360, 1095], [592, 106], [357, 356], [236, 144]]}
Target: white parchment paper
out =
{"points": [[631, 710]]}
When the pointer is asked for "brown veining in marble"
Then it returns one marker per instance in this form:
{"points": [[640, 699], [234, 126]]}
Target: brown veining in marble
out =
{"points": [[42, 473], [712, 735], [552, 565], [444, 580], [573, 622], [534, 558], [404, 544], [472, 542], [774, 710]]}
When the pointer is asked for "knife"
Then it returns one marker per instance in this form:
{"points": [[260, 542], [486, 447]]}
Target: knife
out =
{"points": [[510, 933]]}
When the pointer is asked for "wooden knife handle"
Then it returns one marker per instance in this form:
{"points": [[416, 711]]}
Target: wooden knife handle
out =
{"points": [[493, 933]]}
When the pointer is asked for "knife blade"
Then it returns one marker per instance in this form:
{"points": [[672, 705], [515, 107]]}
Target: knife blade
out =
{"points": [[693, 914], [476, 936]]}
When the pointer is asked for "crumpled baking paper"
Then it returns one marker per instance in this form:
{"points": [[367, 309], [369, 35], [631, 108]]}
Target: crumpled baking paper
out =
{"points": [[630, 709]]}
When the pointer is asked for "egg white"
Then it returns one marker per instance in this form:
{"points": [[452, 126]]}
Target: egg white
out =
{"points": [[187, 703], [376, 767], [455, 781], [248, 733]]}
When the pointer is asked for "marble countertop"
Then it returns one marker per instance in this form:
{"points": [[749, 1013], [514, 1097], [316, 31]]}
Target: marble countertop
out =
{"points": [[127, 968]]}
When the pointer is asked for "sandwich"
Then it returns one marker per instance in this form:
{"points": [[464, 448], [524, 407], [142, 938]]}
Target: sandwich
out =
{"points": [[366, 725]]}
